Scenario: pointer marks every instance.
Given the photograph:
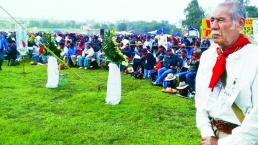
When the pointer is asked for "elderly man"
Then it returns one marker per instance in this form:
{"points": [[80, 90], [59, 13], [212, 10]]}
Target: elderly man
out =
{"points": [[227, 82]]}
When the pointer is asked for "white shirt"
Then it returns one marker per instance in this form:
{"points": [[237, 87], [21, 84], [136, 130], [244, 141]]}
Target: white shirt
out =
{"points": [[125, 41], [89, 52], [148, 43], [162, 40], [241, 88]]}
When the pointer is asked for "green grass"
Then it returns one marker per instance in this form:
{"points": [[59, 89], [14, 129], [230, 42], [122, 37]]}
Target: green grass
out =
{"points": [[75, 113]]}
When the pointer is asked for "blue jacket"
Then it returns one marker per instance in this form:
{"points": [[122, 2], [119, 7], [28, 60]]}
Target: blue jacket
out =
{"points": [[149, 61], [170, 61], [3, 43]]}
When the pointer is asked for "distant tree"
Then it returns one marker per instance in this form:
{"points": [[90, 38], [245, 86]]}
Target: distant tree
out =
{"points": [[45, 24], [122, 26], [175, 29], [252, 11], [144, 27], [103, 26], [194, 14], [33, 23]]}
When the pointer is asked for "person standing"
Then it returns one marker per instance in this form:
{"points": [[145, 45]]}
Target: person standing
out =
{"points": [[227, 82], [3, 47]]}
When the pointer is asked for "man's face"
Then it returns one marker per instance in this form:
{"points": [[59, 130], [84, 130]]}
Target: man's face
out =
{"points": [[224, 30], [183, 54], [161, 49], [169, 53]]}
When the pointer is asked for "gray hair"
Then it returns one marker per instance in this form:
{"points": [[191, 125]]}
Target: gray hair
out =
{"points": [[237, 9]]}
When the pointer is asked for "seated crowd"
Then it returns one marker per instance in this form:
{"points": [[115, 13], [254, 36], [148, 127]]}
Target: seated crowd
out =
{"points": [[168, 61]]}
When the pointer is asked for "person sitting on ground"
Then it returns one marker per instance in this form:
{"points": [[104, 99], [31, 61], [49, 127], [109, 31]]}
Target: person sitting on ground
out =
{"points": [[87, 55], [127, 52], [168, 83], [148, 43], [158, 66], [161, 51], [205, 44], [3, 47], [12, 54], [137, 58], [80, 48], [71, 55], [185, 41], [183, 90], [189, 75], [149, 62], [170, 66], [183, 59]]}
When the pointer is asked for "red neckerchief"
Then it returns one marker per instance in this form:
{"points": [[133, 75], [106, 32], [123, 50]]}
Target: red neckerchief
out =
{"points": [[220, 65]]}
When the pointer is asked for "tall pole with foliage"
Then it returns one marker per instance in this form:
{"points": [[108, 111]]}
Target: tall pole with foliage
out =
{"points": [[116, 57]]}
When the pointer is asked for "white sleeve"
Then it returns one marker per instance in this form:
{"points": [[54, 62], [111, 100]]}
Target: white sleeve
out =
{"points": [[247, 133], [84, 52], [202, 117], [90, 53]]}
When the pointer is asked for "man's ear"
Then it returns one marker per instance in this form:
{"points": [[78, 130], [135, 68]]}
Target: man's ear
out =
{"points": [[241, 22]]}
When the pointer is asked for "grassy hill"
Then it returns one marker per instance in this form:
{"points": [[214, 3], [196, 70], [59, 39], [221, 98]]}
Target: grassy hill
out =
{"points": [[75, 113]]}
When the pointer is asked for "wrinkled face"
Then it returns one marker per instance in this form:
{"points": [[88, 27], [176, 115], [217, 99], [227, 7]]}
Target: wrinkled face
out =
{"points": [[224, 30]]}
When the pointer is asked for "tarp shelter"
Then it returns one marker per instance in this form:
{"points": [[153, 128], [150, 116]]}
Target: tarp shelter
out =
{"points": [[57, 31], [193, 32], [153, 32], [177, 34], [123, 33]]}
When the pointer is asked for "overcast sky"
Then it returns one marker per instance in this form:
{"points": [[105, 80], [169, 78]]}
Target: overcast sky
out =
{"points": [[103, 10]]}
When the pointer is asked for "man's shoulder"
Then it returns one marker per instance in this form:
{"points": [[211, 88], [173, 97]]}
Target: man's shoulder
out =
{"points": [[211, 51], [252, 46], [250, 49], [247, 54]]}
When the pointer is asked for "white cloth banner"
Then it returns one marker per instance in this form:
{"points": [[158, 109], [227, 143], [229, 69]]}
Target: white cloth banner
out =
{"points": [[255, 30], [21, 40], [52, 73], [113, 85]]}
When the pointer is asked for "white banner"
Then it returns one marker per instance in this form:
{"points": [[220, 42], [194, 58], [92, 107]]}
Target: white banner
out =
{"points": [[21, 40]]}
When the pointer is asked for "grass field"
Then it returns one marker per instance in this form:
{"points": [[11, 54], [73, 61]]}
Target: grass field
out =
{"points": [[75, 113]]}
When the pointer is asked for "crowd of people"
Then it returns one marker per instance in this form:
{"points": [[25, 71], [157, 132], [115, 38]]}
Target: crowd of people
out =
{"points": [[226, 81], [154, 57]]}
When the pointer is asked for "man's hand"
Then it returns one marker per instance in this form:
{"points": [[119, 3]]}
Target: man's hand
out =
{"points": [[211, 140], [173, 67]]}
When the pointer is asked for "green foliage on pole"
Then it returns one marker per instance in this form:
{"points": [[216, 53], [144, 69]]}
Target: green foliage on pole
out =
{"points": [[51, 45], [111, 49]]}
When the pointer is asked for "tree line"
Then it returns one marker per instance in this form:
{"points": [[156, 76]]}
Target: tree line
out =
{"points": [[193, 16]]}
